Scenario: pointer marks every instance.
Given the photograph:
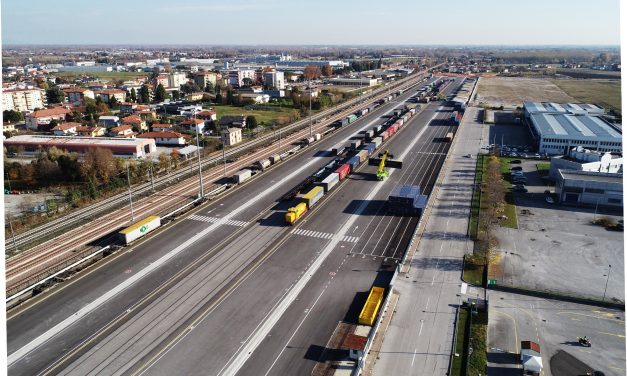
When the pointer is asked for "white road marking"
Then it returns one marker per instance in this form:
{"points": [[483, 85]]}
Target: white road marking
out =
{"points": [[464, 287], [422, 322], [413, 357]]}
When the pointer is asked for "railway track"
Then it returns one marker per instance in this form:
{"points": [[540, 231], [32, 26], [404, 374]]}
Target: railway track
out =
{"points": [[42, 260]]}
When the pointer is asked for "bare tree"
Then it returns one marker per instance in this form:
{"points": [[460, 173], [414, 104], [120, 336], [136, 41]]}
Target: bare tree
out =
{"points": [[327, 70], [312, 72]]}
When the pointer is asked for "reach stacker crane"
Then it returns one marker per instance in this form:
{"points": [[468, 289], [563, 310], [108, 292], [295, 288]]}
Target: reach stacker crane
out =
{"points": [[384, 160]]}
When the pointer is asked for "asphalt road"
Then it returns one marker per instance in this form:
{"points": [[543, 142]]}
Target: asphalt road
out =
{"points": [[419, 338], [202, 256]]}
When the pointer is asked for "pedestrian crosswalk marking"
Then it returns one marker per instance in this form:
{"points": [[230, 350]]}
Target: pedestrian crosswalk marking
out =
{"points": [[323, 235], [230, 222]]}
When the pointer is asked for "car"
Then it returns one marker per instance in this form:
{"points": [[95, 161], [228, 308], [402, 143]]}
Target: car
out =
{"points": [[515, 161], [519, 189], [549, 200], [516, 168], [468, 155]]}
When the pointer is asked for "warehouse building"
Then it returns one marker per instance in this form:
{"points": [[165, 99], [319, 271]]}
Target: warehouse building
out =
{"points": [[557, 128], [589, 188], [586, 160], [120, 147]]}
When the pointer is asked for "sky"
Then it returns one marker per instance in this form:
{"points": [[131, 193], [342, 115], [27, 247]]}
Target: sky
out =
{"points": [[299, 22]]}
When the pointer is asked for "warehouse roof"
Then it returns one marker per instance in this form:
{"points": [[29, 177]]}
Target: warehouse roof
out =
{"points": [[68, 140], [569, 125], [592, 176], [574, 108]]}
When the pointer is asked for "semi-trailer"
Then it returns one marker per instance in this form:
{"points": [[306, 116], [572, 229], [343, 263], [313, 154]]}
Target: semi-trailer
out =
{"points": [[241, 176]]}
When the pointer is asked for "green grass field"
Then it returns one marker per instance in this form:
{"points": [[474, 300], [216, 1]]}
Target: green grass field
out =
{"points": [[478, 361], [280, 115], [460, 333], [605, 93], [473, 273]]}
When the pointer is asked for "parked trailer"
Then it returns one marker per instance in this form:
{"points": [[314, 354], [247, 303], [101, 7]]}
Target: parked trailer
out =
{"points": [[242, 175], [330, 181], [353, 162], [294, 213], [343, 170], [449, 137], [377, 142], [263, 164], [338, 149], [355, 144], [313, 196], [363, 155], [139, 229], [369, 312]]}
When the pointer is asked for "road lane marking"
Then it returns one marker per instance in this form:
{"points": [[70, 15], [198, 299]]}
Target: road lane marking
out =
{"points": [[414, 357], [464, 287], [422, 322], [613, 334]]}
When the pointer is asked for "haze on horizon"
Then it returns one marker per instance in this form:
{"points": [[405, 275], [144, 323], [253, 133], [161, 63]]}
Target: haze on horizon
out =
{"points": [[295, 22]]}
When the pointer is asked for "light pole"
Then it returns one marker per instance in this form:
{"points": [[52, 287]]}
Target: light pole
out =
{"points": [[201, 193], [607, 281], [596, 208], [310, 126], [12, 233], [130, 192], [224, 154], [152, 182]]}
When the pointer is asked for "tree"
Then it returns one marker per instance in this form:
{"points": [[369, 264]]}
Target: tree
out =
{"points": [[99, 165], [311, 72], [327, 70], [209, 87], [53, 123], [175, 157], [12, 116], [133, 95], [251, 122], [113, 102], [55, 95], [144, 94], [160, 94], [164, 161], [176, 95], [229, 96], [188, 88]]}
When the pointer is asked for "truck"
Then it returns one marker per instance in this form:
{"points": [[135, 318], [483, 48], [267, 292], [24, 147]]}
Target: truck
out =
{"points": [[449, 137], [295, 212], [241, 176]]}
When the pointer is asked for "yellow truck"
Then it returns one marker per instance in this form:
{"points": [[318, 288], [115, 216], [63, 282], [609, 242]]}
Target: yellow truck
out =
{"points": [[371, 308], [294, 213]]}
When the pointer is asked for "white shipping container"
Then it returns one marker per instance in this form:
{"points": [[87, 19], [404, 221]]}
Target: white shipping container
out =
{"points": [[242, 176], [263, 164], [139, 229], [275, 159], [377, 141], [355, 144], [330, 181], [317, 136]]}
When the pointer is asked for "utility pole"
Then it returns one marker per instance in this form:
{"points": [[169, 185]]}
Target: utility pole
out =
{"points": [[224, 156], [152, 182], [310, 126], [12, 233], [130, 193], [201, 193], [606, 282]]}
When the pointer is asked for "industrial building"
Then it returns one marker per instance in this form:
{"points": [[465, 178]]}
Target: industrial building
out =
{"points": [[588, 188], [578, 125], [581, 159], [120, 147], [365, 81]]}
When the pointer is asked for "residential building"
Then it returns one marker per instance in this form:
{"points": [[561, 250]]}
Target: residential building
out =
{"points": [[593, 189], [165, 138], [77, 95], [108, 121], [23, 100], [136, 122], [120, 147], [193, 125], [127, 107], [231, 136], [161, 79], [106, 95], [121, 131], [238, 121], [206, 115], [158, 127], [38, 120], [236, 77], [202, 78], [90, 131], [275, 79], [581, 159], [65, 129], [175, 80]]}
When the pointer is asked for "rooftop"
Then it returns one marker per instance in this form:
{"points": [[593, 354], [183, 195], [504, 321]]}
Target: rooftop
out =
{"points": [[56, 140], [574, 108], [591, 176], [164, 134], [585, 126], [50, 112]]}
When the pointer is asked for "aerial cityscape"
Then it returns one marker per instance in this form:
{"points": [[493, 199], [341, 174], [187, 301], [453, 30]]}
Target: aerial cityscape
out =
{"points": [[328, 188]]}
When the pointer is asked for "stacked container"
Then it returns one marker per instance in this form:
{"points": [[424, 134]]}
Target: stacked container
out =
{"points": [[407, 200]]}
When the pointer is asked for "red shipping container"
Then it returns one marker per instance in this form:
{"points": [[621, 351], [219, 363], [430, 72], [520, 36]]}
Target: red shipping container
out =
{"points": [[384, 135], [343, 170]]}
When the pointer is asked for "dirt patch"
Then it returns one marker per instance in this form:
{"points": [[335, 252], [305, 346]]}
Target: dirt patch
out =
{"points": [[510, 92]]}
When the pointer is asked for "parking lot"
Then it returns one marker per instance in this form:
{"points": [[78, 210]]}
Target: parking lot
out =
{"points": [[555, 325]]}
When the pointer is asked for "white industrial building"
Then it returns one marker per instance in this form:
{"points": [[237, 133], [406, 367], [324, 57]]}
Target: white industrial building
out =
{"points": [[588, 188], [365, 81], [577, 125], [581, 159]]}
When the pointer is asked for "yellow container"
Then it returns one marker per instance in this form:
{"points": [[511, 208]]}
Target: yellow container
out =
{"points": [[371, 308]]}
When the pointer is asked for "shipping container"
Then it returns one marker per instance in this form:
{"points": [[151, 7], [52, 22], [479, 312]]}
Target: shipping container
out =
{"points": [[317, 136], [412, 111], [351, 118], [449, 137], [343, 170], [378, 128], [355, 144], [263, 164], [313, 196], [398, 112], [344, 122], [353, 162], [371, 147], [294, 213], [371, 107], [337, 149], [330, 181], [369, 312], [275, 159], [310, 140], [369, 134], [139, 229], [242, 175], [377, 141], [384, 135], [363, 111], [363, 155]]}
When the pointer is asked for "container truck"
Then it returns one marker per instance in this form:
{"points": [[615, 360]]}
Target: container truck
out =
{"points": [[263, 164], [242, 175], [313, 196], [294, 213], [139, 229], [343, 170], [330, 181]]}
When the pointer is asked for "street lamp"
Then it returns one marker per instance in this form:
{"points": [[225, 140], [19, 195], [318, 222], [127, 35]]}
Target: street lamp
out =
{"points": [[310, 126], [130, 192], [201, 193], [606, 282]]}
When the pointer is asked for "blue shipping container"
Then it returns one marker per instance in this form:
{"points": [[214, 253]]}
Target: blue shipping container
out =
{"points": [[370, 148], [354, 162]]}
